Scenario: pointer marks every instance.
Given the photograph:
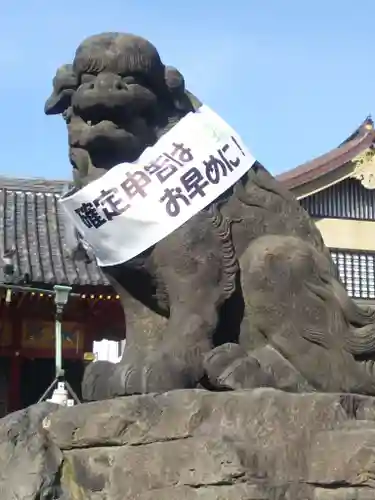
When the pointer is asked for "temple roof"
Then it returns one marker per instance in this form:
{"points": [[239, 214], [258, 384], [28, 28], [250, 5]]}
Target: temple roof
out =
{"points": [[360, 140], [32, 229]]}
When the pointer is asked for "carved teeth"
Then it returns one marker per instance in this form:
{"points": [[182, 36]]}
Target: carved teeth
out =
{"points": [[89, 123]]}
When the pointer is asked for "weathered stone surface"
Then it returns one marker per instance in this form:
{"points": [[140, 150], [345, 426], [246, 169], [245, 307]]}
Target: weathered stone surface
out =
{"points": [[343, 457], [344, 494], [260, 444], [29, 460], [222, 492]]}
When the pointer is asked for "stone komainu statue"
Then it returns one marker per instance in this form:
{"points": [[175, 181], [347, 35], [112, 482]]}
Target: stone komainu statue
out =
{"points": [[242, 295]]}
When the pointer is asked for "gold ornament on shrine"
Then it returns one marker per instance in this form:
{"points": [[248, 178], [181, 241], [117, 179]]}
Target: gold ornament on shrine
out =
{"points": [[364, 169]]}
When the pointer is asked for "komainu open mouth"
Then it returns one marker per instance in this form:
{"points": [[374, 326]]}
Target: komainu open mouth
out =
{"points": [[103, 123]]}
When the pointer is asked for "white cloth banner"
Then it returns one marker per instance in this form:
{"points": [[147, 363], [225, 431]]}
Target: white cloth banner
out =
{"points": [[135, 205]]}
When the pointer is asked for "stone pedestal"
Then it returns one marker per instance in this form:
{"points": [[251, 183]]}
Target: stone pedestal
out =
{"points": [[261, 444]]}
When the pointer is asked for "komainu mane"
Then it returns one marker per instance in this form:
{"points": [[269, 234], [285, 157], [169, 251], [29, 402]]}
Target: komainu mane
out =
{"points": [[242, 295]]}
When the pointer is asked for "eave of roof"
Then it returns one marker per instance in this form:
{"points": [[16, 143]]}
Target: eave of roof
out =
{"points": [[32, 225], [359, 141], [36, 184]]}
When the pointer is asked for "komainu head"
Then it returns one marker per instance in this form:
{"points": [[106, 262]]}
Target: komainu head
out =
{"points": [[117, 98]]}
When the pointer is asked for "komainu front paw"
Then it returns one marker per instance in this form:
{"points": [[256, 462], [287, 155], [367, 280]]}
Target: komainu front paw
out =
{"points": [[155, 373], [97, 381], [159, 372], [229, 366]]}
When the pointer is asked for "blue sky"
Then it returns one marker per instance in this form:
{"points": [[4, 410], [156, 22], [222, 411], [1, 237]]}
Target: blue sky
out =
{"points": [[294, 78]]}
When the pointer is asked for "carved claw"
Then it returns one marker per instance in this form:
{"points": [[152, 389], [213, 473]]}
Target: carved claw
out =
{"points": [[156, 373], [230, 367], [96, 380]]}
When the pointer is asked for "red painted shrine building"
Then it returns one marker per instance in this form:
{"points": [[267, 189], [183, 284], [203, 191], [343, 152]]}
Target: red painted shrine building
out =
{"points": [[337, 189], [31, 224]]}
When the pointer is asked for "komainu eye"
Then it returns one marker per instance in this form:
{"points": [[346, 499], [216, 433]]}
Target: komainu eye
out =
{"points": [[87, 77], [129, 80]]}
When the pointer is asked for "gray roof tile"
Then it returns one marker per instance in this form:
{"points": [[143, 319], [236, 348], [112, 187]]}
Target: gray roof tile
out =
{"points": [[31, 223]]}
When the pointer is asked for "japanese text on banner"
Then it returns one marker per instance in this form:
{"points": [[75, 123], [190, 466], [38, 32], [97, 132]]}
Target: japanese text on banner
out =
{"points": [[189, 182], [133, 206]]}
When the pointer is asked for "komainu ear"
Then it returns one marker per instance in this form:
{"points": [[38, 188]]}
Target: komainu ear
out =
{"points": [[65, 83], [183, 99], [174, 80]]}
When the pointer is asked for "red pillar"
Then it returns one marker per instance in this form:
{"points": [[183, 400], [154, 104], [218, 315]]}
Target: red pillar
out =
{"points": [[14, 394]]}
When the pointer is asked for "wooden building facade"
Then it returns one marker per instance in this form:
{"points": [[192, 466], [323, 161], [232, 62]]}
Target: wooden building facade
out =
{"points": [[32, 232]]}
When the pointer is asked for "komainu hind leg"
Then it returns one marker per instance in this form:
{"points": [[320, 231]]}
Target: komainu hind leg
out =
{"points": [[291, 297], [313, 335]]}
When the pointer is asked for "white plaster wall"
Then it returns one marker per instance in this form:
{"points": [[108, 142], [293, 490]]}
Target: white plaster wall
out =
{"points": [[347, 234], [108, 350]]}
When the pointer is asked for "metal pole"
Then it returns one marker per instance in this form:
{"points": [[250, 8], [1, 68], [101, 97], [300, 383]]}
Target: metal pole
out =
{"points": [[58, 343], [61, 298], [60, 394]]}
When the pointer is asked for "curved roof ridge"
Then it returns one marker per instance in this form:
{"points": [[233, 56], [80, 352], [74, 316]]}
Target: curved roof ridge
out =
{"points": [[365, 126], [360, 140]]}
